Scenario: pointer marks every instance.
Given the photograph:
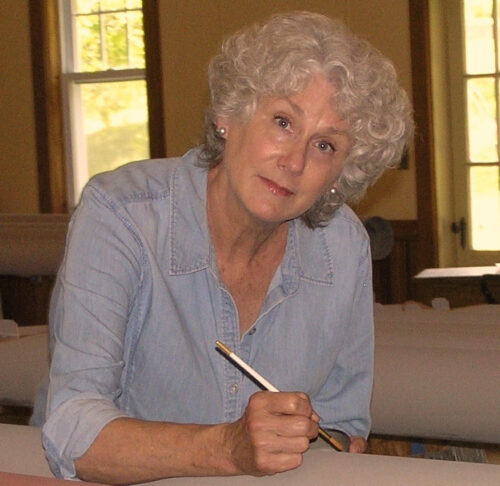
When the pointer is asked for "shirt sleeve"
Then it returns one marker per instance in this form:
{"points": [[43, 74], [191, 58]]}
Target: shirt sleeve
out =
{"points": [[344, 403], [91, 305]]}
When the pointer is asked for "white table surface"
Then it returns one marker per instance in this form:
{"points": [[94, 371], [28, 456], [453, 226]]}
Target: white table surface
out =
{"points": [[21, 452], [454, 272], [24, 362]]}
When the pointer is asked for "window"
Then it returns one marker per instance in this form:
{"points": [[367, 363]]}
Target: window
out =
{"points": [[475, 94], [481, 78], [103, 83]]}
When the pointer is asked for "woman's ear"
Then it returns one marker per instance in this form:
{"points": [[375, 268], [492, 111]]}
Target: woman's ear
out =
{"points": [[221, 126]]}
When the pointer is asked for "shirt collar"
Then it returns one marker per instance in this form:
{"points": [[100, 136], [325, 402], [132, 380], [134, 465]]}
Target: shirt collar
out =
{"points": [[189, 239], [310, 252]]}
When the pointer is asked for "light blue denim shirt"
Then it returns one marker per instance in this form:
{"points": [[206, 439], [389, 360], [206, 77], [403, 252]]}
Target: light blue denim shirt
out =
{"points": [[138, 306]]}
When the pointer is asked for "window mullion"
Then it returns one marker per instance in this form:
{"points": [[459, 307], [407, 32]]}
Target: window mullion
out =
{"points": [[107, 76]]}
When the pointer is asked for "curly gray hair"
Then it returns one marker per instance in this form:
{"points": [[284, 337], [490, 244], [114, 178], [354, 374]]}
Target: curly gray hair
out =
{"points": [[278, 58]]}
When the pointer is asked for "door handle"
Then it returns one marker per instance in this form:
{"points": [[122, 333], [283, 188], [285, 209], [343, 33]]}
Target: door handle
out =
{"points": [[459, 227]]}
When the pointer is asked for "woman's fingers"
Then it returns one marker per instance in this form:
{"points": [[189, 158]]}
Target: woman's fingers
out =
{"points": [[358, 445]]}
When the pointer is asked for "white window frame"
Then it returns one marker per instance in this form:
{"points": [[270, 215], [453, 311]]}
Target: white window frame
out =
{"points": [[459, 136], [74, 148]]}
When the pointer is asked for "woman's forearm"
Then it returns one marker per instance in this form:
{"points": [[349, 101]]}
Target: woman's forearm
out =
{"points": [[129, 451]]}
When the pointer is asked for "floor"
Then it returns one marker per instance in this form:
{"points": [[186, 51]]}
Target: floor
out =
{"points": [[443, 450]]}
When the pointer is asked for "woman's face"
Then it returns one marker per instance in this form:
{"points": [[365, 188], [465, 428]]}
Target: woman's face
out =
{"points": [[290, 152]]}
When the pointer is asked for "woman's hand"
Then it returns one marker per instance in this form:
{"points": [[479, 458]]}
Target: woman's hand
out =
{"points": [[273, 433], [358, 445]]}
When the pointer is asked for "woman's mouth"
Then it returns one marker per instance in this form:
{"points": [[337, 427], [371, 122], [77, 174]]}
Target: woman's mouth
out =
{"points": [[275, 188]]}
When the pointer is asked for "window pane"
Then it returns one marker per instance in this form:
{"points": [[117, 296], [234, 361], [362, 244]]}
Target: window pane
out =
{"points": [[115, 40], [482, 123], [479, 37], [88, 46], [134, 3], [115, 124], [137, 58], [113, 4], [86, 6], [485, 208], [112, 40]]}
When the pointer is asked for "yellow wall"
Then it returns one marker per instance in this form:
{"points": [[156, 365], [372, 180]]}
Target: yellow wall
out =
{"points": [[18, 173], [191, 31]]}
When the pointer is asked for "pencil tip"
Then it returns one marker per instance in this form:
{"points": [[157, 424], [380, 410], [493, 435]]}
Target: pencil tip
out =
{"points": [[336, 444]]}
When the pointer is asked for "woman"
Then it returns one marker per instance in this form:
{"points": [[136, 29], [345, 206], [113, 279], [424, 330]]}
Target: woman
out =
{"points": [[245, 240]]}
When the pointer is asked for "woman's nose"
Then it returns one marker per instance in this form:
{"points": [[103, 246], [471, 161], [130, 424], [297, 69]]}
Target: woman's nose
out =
{"points": [[294, 158]]}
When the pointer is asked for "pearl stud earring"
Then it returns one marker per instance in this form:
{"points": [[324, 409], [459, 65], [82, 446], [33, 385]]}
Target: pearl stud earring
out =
{"points": [[221, 131], [333, 191]]}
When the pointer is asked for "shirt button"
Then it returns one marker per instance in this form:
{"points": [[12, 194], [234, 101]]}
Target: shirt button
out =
{"points": [[252, 331], [233, 388]]}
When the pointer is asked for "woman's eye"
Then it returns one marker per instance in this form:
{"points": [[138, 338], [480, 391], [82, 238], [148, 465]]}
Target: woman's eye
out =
{"points": [[326, 147], [282, 122]]}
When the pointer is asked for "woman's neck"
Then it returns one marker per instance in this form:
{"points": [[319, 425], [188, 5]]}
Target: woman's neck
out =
{"points": [[236, 236]]}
